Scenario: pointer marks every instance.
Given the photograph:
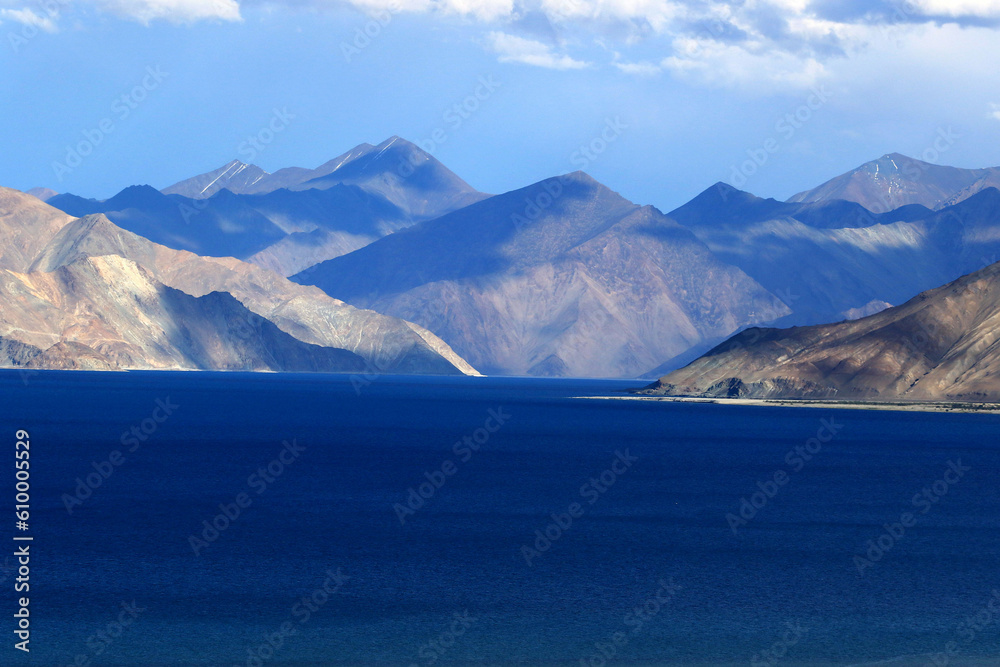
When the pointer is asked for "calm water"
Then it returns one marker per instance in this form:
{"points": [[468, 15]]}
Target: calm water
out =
{"points": [[650, 554]]}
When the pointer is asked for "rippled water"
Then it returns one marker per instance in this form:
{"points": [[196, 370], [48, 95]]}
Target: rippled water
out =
{"points": [[327, 557]]}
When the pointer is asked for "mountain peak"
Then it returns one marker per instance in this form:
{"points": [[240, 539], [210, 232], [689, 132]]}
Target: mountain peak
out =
{"points": [[896, 180], [893, 163], [235, 175], [142, 188], [581, 177], [135, 196], [396, 139], [725, 192], [720, 201]]}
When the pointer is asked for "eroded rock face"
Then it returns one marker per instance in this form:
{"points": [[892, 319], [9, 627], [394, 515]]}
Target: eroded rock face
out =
{"points": [[108, 312], [88, 290], [940, 345], [564, 277]]}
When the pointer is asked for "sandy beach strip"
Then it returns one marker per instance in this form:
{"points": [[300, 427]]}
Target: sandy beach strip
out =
{"points": [[898, 406]]}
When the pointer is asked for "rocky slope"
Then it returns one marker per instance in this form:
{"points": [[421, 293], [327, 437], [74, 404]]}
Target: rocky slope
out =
{"points": [[896, 180], [67, 261], [107, 313], [564, 277], [940, 345]]}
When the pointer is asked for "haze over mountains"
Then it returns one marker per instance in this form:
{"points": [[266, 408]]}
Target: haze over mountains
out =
{"points": [[565, 277]]}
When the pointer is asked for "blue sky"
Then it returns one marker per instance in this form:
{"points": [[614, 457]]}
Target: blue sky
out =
{"points": [[774, 96]]}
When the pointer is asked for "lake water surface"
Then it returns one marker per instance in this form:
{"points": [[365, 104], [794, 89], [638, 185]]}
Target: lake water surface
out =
{"points": [[490, 521]]}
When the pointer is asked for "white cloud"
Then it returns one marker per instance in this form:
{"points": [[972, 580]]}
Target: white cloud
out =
{"points": [[657, 13], [733, 43], [995, 111], [642, 68], [514, 49], [485, 10], [144, 11], [744, 66], [175, 11], [30, 18], [958, 8]]}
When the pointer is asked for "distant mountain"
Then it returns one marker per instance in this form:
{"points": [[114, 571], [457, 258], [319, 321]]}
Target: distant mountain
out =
{"points": [[825, 260], [86, 283], [44, 194], [294, 218], [234, 176], [282, 230], [292, 177], [564, 277], [322, 224], [940, 345], [833, 260], [895, 180], [404, 174], [222, 226]]}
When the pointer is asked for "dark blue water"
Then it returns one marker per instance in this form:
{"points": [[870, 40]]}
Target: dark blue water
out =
{"points": [[650, 554]]}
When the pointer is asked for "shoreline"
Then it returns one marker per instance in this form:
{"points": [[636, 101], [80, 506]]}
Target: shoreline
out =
{"points": [[966, 407]]}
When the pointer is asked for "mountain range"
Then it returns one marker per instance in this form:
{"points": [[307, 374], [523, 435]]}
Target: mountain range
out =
{"points": [[564, 277], [832, 260], [85, 293], [294, 218], [561, 278]]}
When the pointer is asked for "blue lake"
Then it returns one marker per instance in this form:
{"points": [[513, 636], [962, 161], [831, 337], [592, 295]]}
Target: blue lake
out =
{"points": [[491, 521]]}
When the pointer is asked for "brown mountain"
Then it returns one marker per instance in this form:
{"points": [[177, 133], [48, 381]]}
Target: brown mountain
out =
{"points": [[940, 345], [137, 304], [108, 312]]}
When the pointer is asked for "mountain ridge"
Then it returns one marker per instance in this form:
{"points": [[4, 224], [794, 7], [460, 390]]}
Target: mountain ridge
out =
{"points": [[305, 315], [939, 345], [563, 277], [895, 180]]}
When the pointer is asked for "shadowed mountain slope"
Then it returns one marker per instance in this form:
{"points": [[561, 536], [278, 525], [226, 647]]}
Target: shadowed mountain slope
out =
{"points": [[564, 277], [835, 259]]}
